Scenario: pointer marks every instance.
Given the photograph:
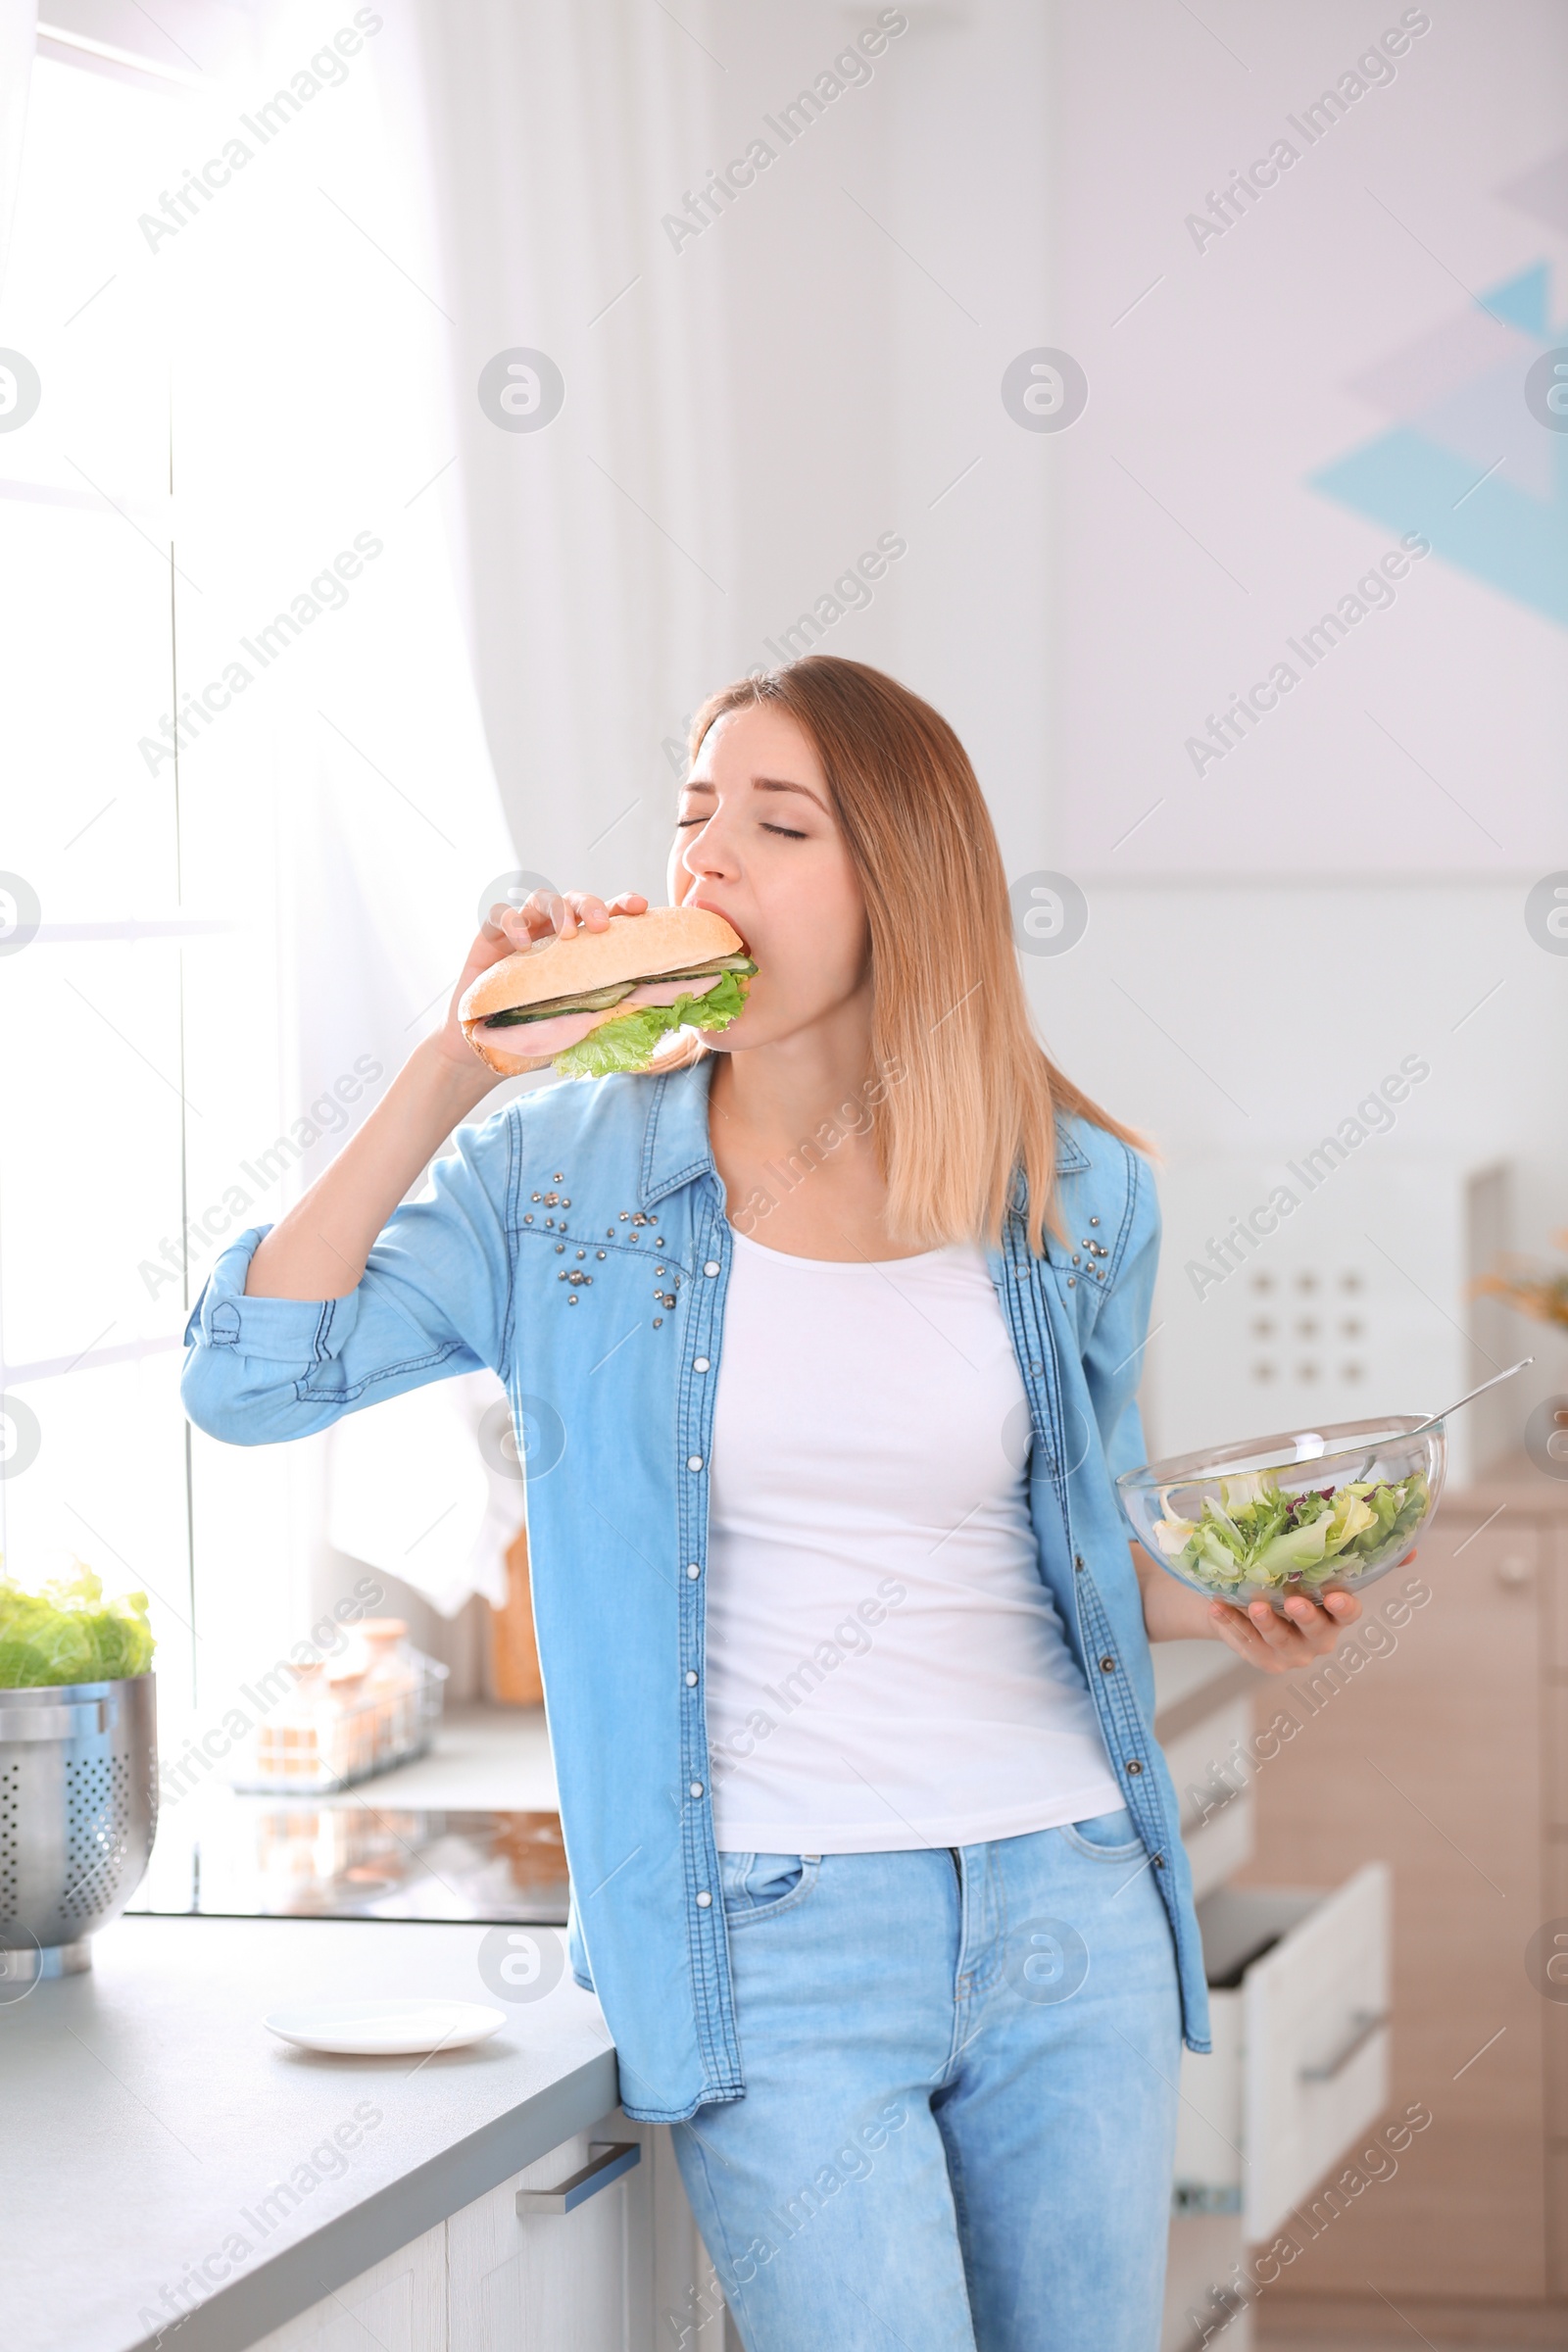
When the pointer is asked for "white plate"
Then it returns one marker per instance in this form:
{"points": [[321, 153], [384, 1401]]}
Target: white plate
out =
{"points": [[385, 2028]]}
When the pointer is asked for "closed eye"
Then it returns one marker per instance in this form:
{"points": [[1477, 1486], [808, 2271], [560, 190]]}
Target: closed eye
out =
{"points": [[787, 831]]}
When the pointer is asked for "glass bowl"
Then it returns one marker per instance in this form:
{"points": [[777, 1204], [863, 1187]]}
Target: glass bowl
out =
{"points": [[1311, 1512]]}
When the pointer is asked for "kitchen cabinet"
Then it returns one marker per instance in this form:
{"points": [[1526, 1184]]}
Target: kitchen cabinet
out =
{"points": [[1298, 1994], [1299, 2008], [560, 2282], [623, 2270], [1446, 1755], [399, 2304]]}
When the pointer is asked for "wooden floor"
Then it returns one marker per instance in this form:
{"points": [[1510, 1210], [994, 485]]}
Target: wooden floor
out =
{"points": [[1382, 2343]]}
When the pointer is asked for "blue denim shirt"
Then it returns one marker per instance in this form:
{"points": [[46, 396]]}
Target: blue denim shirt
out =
{"points": [[578, 1244]]}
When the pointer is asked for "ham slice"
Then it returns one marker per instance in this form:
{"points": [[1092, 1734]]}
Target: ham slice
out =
{"points": [[528, 1038]]}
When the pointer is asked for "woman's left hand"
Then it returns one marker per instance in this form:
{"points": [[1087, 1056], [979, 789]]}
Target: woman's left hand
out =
{"points": [[1174, 1613], [1277, 1645]]}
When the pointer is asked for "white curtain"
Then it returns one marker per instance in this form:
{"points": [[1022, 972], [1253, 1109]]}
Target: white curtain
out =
{"points": [[340, 806], [597, 550]]}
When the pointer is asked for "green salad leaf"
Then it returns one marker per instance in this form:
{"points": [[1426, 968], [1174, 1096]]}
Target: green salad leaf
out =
{"points": [[630, 1041], [65, 1632], [1255, 1535]]}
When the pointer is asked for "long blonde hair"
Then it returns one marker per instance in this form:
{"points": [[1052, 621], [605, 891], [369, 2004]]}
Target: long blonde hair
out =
{"points": [[969, 1095]]}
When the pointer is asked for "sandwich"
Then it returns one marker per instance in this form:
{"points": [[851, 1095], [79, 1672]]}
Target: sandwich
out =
{"points": [[605, 1000]]}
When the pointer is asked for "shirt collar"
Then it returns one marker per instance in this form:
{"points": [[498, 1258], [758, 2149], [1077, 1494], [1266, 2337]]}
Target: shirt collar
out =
{"points": [[675, 1145], [1072, 1160]]}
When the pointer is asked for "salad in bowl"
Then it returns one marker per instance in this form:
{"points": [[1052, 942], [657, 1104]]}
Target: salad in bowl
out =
{"points": [[1309, 1511]]}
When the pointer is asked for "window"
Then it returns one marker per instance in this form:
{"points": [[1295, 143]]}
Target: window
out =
{"points": [[95, 1117]]}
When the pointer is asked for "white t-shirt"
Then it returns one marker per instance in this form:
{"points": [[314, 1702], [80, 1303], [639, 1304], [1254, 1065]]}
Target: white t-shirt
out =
{"points": [[885, 1667]]}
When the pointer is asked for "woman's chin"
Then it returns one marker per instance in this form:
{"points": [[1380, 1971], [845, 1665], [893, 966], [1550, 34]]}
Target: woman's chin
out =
{"points": [[733, 1035]]}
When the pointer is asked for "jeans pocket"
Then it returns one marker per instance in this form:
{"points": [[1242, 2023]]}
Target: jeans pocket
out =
{"points": [[1105, 1837], [757, 1885]]}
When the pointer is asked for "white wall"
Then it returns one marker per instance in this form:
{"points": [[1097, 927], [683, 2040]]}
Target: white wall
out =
{"points": [[824, 360]]}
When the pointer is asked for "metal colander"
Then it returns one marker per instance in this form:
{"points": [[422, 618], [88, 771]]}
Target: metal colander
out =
{"points": [[79, 1806]]}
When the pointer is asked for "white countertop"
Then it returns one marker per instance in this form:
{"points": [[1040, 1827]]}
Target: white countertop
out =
{"points": [[147, 2110]]}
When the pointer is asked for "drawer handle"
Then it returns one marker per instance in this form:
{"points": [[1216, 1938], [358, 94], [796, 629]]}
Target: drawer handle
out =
{"points": [[608, 2160], [1364, 2023], [77, 1722]]}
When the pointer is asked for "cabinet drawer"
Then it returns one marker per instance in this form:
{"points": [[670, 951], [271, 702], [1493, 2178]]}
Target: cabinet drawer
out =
{"points": [[541, 2281], [1300, 2060]]}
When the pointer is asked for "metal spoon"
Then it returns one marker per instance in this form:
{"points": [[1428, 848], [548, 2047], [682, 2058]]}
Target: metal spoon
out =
{"points": [[1431, 1420], [1434, 1418]]}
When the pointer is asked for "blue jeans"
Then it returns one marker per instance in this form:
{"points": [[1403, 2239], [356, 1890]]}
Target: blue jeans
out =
{"points": [[960, 2117]]}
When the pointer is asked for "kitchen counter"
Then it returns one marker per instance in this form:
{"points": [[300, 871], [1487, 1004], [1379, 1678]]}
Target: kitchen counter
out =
{"points": [[156, 2117], [150, 2114]]}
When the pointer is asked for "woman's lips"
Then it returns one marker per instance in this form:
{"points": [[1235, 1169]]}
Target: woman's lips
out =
{"points": [[710, 907]]}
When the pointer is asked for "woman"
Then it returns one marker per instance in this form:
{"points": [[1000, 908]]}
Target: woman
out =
{"points": [[875, 1863]]}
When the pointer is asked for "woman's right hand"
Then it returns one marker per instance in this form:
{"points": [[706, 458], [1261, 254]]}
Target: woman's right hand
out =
{"points": [[510, 930], [319, 1248]]}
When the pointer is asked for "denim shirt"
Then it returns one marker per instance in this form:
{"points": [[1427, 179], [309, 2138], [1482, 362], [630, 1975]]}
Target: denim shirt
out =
{"points": [[577, 1243]]}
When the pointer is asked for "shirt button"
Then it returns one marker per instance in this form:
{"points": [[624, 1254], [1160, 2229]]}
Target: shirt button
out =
{"points": [[694, 1461], [691, 1679], [712, 1267], [700, 1364], [697, 1788], [704, 1899], [1133, 1765], [693, 1568], [1107, 1665]]}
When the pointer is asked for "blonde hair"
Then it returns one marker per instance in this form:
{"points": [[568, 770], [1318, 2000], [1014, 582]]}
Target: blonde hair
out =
{"points": [[968, 1095]]}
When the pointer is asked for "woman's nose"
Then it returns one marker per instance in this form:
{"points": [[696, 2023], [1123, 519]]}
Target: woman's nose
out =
{"points": [[706, 854]]}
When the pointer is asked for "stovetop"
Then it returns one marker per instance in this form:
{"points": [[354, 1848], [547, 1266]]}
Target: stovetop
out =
{"points": [[347, 1857]]}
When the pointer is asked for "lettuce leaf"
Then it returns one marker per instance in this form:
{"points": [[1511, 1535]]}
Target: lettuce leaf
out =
{"points": [[65, 1632], [1259, 1537], [630, 1042]]}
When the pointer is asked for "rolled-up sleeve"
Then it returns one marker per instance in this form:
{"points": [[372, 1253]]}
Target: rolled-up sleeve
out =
{"points": [[1114, 1359], [435, 1300]]}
